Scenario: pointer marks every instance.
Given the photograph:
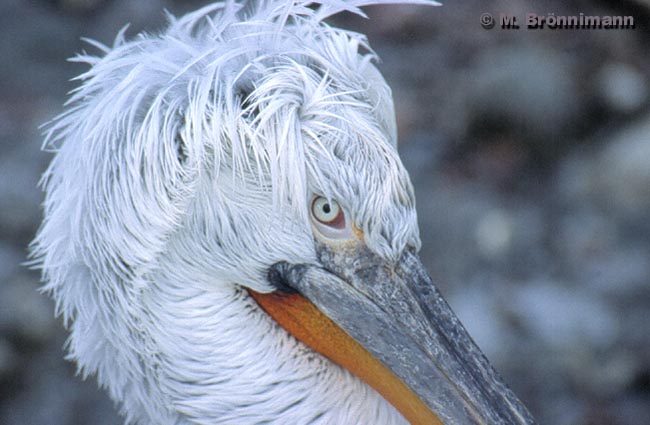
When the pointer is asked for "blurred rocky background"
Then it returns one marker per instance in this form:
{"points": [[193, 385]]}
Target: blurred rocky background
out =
{"points": [[530, 154]]}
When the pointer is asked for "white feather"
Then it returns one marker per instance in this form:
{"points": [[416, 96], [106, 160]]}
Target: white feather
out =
{"points": [[183, 167]]}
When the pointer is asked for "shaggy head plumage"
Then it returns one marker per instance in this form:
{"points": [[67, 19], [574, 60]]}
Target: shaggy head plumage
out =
{"points": [[183, 167]]}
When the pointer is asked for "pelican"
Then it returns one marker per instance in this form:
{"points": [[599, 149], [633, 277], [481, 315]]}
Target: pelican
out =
{"points": [[231, 238]]}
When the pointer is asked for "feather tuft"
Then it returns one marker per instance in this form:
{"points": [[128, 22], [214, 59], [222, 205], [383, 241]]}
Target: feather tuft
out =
{"points": [[161, 150]]}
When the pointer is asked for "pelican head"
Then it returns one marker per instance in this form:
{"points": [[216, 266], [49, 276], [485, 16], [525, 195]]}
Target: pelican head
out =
{"points": [[231, 237]]}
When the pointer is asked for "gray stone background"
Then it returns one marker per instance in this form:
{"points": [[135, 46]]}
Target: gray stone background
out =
{"points": [[530, 153]]}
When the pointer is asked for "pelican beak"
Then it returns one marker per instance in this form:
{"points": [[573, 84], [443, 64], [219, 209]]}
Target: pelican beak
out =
{"points": [[388, 324]]}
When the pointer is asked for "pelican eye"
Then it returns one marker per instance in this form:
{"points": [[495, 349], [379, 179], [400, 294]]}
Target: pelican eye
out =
{"points": [[328, 212]]}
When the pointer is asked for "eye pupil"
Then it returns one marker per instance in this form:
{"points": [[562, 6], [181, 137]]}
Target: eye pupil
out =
{"points": [[327, 212]]}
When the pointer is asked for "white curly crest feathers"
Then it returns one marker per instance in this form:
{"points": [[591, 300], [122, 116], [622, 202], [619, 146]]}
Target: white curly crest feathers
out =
{"points": [[186, 159]]}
